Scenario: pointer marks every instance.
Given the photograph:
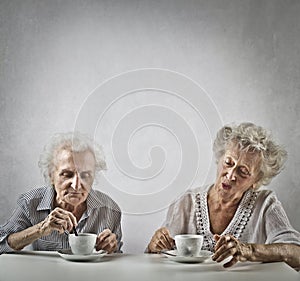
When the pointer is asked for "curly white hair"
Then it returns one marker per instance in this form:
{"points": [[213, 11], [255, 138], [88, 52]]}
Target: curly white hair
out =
{"points": [[72, 141], [251, 137]]}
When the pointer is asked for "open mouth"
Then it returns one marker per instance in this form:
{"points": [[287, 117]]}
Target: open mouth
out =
{"points": [[226, 186]]}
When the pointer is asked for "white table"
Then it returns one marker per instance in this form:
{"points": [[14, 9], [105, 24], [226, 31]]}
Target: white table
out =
{"points": [[46, 266]]}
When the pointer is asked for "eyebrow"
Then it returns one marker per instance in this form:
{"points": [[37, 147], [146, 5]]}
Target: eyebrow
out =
{"points": [[66, 170]]}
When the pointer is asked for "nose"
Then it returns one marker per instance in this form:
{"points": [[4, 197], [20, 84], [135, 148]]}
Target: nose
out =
{"points": [[231, 174], [75, 182]]}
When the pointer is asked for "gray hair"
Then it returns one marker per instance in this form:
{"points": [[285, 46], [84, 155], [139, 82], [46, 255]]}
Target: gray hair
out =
{"points": [[251, 137], [72, 141]]}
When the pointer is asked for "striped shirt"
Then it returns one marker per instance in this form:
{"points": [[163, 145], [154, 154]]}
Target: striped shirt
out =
{"points": [[34, 206]]}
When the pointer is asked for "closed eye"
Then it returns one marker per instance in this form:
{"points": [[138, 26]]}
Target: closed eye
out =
{"points": [[85, 175], [66, 174], [244, 172], [228, 162]]}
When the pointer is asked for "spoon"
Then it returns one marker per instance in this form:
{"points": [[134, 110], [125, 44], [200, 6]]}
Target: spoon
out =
{"points": [[167, 253], [75, 231]]}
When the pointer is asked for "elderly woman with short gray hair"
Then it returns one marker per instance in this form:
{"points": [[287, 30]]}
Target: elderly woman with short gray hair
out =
{"points": [[239, 220], [44, 216]]}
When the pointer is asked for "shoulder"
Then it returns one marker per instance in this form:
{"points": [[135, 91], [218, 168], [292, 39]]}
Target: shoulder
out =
{"points": [[99, 199], [32, 194], [188, 198], [267, 201], [267, 196], [193, 192]]}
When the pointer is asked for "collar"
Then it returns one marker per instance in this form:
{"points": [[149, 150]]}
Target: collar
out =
{"points": [[47, 199]]}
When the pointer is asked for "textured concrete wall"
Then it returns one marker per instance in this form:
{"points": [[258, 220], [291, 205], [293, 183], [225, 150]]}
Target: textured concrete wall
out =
{"points": [[244, 56]]}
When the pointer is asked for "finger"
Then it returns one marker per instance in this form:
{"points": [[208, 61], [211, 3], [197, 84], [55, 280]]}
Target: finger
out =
{"points": [[164, 243], [168, 241], [156, 245], [103, 235], [223, 240], [64, 214], [163, 238], [232, 262], [109, 244], [61, 219], [220, 242], [224, 248], [60, 215], [59, 226], [218, 257], [217, 237]]}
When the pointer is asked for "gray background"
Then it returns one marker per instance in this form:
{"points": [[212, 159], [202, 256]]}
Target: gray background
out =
{"points": [[245, 54]]}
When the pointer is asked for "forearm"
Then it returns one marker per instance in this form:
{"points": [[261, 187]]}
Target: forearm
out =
{"points": [[19, 240], [289, 253]]}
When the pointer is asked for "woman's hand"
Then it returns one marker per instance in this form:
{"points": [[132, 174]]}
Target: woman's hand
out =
{"points": [[107, 241], [161, 240], [60, 220], [227, 245]]}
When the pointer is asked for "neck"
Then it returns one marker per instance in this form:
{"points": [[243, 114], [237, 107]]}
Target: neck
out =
{"points": [[222, 202]]}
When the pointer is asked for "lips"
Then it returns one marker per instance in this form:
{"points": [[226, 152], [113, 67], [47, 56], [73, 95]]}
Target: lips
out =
{"points": [[74, 193], [226, 186]]}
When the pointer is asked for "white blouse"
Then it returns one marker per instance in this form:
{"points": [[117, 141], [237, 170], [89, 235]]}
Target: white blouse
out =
{"points": [[259, 218]]}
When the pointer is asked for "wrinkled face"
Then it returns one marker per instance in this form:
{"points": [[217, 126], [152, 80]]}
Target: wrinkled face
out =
{"points": [[237, 172], [73, 176]]}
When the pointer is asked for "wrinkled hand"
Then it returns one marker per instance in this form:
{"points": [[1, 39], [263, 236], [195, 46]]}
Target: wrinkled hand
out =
{"points": [[227, 245], [60, 220], [107, 241], [161, 240]]}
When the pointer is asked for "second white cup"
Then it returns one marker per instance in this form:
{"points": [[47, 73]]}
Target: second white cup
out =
{"points": [[188, 245], [83, 244]]}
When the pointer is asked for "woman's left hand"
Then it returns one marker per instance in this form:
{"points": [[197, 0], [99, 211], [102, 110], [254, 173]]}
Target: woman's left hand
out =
{"points": [[107, 241], [227, 245]]}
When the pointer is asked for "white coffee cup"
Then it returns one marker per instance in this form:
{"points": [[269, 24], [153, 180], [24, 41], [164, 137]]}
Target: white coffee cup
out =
{"points": [[83, 244], [188, 245]]}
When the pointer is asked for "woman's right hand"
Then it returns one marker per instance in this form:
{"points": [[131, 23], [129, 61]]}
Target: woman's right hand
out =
{"points": [[60, 220], [161, 240]]}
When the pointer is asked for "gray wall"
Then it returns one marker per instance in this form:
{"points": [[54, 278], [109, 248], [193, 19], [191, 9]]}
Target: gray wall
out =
{"points": [[244, 57]]}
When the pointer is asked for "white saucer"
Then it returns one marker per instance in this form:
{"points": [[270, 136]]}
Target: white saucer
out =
{"points": [[172, 255], [68, 255]]}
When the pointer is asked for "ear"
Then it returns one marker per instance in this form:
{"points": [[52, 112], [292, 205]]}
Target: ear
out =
{"points": [[51, 178]]}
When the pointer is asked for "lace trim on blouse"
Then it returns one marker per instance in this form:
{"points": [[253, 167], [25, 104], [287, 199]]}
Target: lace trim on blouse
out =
{"points": [[235, 227]]}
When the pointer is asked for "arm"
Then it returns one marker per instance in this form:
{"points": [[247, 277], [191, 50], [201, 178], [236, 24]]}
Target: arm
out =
{"points": [[17, 241], [59, 219], [110, 238], [180, 218], [228, 245]]}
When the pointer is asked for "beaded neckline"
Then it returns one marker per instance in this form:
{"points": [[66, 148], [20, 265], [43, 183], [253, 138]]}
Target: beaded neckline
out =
{"points": [[235, 227]]}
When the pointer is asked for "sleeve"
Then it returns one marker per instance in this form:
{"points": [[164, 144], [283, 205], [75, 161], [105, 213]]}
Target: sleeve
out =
{"points": [[180, 215], [278, 227], [113, 222], [117, 229], [18, 221]]}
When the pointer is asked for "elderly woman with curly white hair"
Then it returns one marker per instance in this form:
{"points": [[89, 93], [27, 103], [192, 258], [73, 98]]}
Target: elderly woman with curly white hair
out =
{"points": [[45, 215], [239, 220]]}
